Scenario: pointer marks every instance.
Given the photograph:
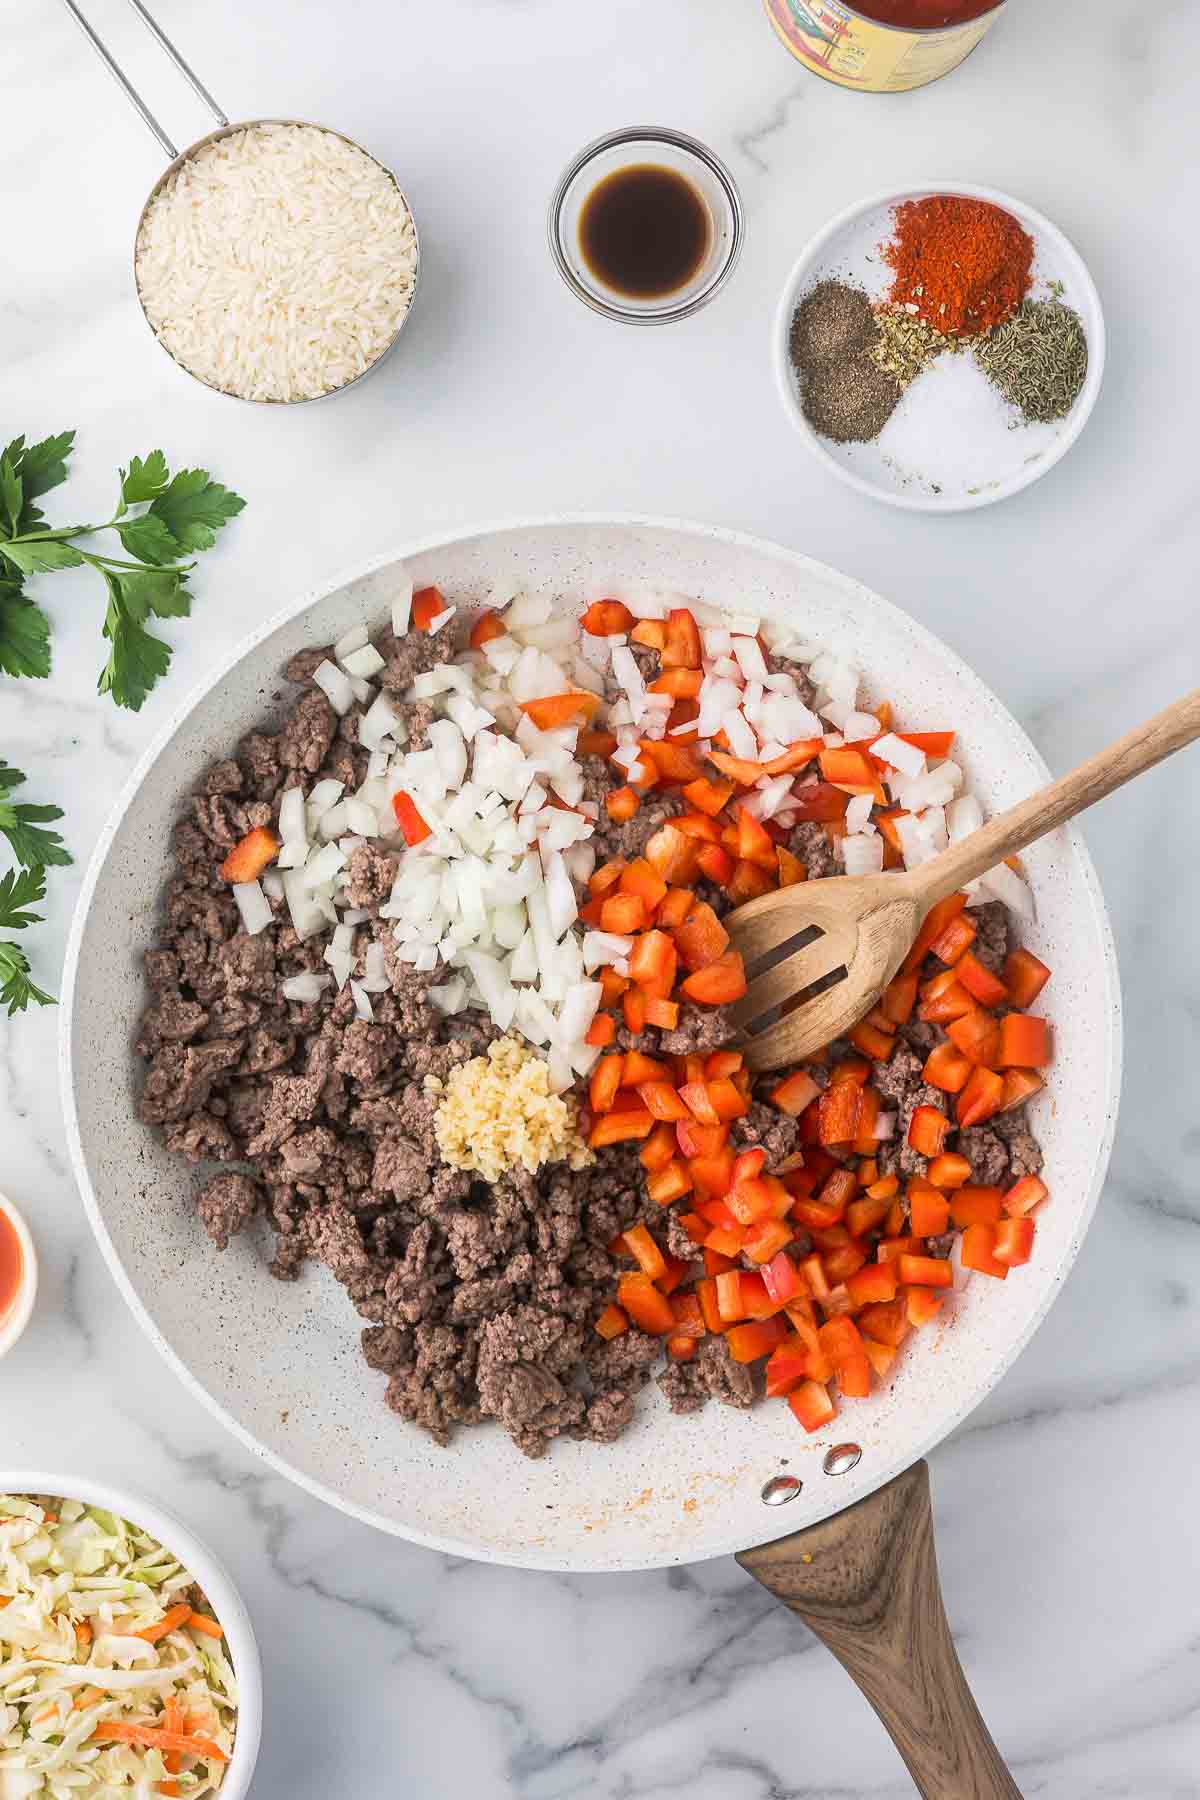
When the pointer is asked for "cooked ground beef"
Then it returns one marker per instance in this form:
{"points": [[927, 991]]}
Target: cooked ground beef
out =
{"points": [[479, 1300]]}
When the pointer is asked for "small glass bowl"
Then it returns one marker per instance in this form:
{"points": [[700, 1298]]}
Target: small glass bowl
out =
{"points": [[671, 150]]}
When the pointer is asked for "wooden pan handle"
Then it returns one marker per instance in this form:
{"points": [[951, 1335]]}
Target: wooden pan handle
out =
{"points": [[1031, 819], [866, 1582]]}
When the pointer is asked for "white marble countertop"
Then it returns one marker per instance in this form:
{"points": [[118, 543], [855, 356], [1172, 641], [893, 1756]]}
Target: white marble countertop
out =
{"points": [[1067, 1541]]}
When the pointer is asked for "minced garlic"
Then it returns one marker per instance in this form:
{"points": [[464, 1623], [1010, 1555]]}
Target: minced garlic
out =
{"points": [[497, 1111]]}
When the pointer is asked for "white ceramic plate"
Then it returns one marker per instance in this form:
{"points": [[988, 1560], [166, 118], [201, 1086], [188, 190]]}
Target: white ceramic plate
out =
{"points": [[280, 1363], [213, 1577], [952, 443]]}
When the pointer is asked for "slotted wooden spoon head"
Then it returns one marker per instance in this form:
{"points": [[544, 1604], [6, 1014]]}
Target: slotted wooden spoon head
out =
{"points": [[858, 928]]}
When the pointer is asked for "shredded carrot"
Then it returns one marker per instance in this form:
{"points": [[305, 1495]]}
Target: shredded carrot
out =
{"points": [[201, 1622], [118, 1731], [172, 1721], [87, 1697], [83, 1633], [170, 1621], [169, 1787], [47, 1712]]}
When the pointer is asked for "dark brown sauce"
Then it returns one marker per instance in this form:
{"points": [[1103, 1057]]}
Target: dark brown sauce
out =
{"points": [[644, 231], [10, 1264]]}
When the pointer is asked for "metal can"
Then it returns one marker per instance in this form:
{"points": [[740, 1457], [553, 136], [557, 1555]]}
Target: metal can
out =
{"points": [[836, 42]]}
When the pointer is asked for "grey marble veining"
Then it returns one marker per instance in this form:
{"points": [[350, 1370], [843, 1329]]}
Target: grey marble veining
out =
{"points": [[1066, 1503]]}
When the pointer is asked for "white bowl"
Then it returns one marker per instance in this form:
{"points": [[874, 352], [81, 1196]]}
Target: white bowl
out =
{"points": [[213, 1577], [19, 1313], [951, 431], [279, 1362]]}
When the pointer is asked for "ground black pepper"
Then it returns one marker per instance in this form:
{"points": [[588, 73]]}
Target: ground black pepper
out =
{"points": [[844, 394]]}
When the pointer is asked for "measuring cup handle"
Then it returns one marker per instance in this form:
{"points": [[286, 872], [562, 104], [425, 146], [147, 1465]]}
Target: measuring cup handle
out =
{"points": [[119, 76]]}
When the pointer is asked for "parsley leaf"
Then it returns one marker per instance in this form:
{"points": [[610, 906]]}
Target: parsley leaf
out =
{"points": [[22, 825], [12, 495], [24, 634], [19, 889], [17, 989], [194, 509], [148, 539], [37, 556], [138, 659], [44, 466], [143, 480]]}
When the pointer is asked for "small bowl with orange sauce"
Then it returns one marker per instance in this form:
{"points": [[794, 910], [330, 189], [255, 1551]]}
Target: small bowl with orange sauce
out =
{"points": [[18, 1274]]}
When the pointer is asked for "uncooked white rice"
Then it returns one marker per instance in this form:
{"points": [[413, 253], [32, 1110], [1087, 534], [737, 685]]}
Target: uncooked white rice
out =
{"points": [[277, 263]]}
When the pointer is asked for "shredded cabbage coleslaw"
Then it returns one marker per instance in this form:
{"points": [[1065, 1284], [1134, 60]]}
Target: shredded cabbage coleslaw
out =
{"points": [[115, 1682]]}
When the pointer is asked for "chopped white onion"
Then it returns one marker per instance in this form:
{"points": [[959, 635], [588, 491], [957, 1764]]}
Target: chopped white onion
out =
{"points": [[254, 907], [305, 988], [336, 686], [402, 606]]}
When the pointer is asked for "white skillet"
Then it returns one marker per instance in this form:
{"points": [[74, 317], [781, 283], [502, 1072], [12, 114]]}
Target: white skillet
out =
{"points": [[280, 1363]]}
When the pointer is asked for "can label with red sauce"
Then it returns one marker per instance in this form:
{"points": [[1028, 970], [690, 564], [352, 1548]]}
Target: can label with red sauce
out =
{"points": [[836, 42]]}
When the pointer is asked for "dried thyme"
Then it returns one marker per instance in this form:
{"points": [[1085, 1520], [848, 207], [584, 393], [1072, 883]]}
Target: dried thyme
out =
{"points": [[1037, 360]]}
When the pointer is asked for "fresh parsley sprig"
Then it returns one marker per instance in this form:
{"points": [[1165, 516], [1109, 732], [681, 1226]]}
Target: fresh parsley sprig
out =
{"points": [[35, 848], [159, 519]]}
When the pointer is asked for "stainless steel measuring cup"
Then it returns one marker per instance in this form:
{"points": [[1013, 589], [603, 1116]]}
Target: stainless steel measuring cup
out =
{"points": [[179, 157]]}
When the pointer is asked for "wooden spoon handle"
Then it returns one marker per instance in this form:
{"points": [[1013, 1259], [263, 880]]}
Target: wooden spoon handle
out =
{"points": [[866, 1582], [1030, 819]]}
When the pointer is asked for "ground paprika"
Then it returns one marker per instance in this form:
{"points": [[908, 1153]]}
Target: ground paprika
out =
{"points": [[962, 264]]}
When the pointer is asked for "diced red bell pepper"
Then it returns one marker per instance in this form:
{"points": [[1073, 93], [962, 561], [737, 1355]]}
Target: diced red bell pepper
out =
{"points": [[1024, 978], [756, 1301], [925, 1271], [866, 1215], [715, 864], [875, 1283], [788, 1366], [695, 1096], [748, 1342], [681, 684], [946, 1068], [737, 768], [944, 998], [718, 982], [601, 1031], [794, 1093], [928, 1130], [621, 804], [842, 1262], [708, 796], [819, 802], [899, 998], [620, 1128], [885, 1188], [1024, 1195], [876, 1044], [681, 1347], [658, 1149], [612, 986], [662, 1101], [929, 1211], [765, 1240], [712, 1175], [607, 618], [892, 1248], [607, 878], [487, 626], [649, 1310], [633, 1008], [979, 981], [682, 647], [1024, 1042], [851, 1068], [427, 603], [722, 1063], [977, 1036], [790, 869], [813, 1214], [701, 939], [645, 1251], [811, 1405], [251, 855], [650, 632], [676, 905], [934, 743], [674, 761], [644, 882], [954, 939], [922, 1304], [706, 1293], [782, 1278], [976, 1206], [978, 1251], [729, 1296], [884, 1321], [750, 881], [980, 1098], [754, 843], [949, 1170], [637, 1068], [612, 1322], [653, 962], [840, 1339], [1020, 1085], [606, 1079], [669, 1183], [1014, 1242], [623, 914], [849, 767], [726, 1098], [663, 1013], [694, 1225], [409, 819], [854, 1377], [936, 920], [838, 1112], [701, 1140], [814, 1274], [555, 710], [880, 1356], [689, 1319], [838, 1189], [596, 743], [749, 1199]]}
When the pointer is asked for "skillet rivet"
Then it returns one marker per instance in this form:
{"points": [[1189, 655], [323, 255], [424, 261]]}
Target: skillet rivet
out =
{"points": [[841, 1459], [780, 1489]]}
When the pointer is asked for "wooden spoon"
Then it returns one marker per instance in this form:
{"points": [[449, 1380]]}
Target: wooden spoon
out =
{"points": [[866, 1582], [861, 927]]}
